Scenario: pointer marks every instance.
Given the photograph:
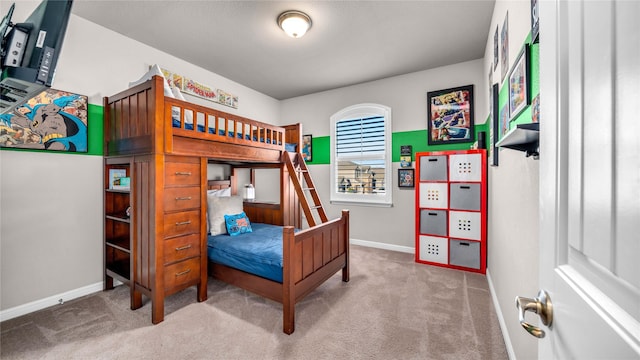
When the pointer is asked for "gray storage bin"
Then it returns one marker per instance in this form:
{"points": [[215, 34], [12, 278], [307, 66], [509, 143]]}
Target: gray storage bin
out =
{"points": [[433, 222], [464, 253], [433, 168], [464, 196]]}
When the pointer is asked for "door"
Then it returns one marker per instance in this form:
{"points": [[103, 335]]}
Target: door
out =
{"points": [[590, 178]]}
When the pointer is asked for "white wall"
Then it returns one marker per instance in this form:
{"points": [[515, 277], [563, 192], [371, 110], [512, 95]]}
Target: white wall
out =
{"points": [[513, 202], [51, 226], [407, 97]]}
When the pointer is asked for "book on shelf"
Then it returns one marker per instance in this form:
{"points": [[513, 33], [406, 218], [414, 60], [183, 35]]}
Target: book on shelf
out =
{"points": [[118, 179]]}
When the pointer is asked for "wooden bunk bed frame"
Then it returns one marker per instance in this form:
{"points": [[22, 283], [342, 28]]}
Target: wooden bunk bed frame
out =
{"points": [[138, 125], [310, 257]]}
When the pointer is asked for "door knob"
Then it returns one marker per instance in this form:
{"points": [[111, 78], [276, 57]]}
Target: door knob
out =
{"points": [[541, 305]]}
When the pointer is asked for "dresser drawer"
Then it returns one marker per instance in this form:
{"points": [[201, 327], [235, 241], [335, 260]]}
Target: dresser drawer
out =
{"points": [[182, 174], [181, 198], [465, 167], [433, 222], [464, 253], [181, 273], [465, 224], [180, 248], [434, 195], [433, 168], [181, 223], [465, 196]]}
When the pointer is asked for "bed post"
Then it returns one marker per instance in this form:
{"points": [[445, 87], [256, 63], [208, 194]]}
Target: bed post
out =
{"points": [[345, 269], [288, 286]]}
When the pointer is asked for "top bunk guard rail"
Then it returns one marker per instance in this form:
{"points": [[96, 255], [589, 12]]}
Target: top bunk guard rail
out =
{"points": [[219, 126], [142, 120]]}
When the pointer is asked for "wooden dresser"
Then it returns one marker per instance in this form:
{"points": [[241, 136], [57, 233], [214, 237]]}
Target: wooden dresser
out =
{"points": [[161, 248]]}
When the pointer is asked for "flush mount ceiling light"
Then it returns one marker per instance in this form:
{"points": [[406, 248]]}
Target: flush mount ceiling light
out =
{"points": [[294, 23]]}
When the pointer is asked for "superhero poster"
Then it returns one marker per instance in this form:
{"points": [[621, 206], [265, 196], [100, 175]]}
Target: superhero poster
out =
{"points": [[51, 120], [450, 116]]}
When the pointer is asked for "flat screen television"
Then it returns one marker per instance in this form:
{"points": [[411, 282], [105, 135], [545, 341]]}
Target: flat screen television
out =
{"points": [[30, 51]]}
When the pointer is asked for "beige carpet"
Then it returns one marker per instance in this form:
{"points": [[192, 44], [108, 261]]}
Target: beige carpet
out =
{"points": [[392, 308]]}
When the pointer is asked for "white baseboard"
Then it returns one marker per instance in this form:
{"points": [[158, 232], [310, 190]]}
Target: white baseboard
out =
{"points": [[49, 301], [379, 245], [501, 321]]}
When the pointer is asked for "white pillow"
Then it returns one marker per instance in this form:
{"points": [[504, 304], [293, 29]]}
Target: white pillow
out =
{"points": [[155, 70], [217, 207], [177, 93], [216, 192]]}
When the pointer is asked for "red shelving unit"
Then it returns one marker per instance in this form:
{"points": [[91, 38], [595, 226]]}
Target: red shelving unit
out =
{"points": [[451, 209]]}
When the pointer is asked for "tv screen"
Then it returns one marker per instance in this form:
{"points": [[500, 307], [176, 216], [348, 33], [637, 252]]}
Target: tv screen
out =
{"points": [[30, 52]]}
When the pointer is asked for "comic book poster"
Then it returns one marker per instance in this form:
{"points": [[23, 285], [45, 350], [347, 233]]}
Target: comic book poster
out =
{"points": [[51, 120], [450, 114], [196, 88]]}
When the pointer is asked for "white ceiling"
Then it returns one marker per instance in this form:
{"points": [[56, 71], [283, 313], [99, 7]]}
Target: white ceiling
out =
{"points": [[350, 42]]}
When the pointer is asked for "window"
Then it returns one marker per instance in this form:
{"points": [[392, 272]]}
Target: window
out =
{"points": [[361, 155]]}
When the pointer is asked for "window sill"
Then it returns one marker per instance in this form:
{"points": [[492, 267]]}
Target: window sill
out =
{"points": [[360, 203]]}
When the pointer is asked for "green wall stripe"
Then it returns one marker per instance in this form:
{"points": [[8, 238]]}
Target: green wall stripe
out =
{"points": [[95, 130], [321, 145], [320, 150]]}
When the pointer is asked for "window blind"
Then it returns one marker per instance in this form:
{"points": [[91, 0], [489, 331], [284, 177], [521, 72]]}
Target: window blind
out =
{"points": [[356, 137]]}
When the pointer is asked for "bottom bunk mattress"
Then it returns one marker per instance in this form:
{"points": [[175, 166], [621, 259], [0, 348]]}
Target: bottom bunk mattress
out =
{"points": [[258, 252]]}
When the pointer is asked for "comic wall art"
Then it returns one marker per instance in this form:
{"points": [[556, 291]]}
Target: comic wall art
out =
{"points": [[519, 84], [450, 114], [196, 88], [52, 120]]}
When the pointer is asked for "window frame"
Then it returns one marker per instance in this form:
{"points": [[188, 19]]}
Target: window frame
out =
{"points": [[364, 110]]}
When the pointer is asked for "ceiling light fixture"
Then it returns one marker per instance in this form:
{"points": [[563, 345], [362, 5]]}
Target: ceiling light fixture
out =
{"points": [[294, 23]]}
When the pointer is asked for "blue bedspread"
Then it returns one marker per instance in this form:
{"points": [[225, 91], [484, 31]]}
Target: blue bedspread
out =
{"points": [[258, 252], [189, 126]]}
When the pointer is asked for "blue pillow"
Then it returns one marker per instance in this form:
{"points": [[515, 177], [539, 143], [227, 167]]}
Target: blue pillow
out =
{"points": [[237, 224], [290, 147]]}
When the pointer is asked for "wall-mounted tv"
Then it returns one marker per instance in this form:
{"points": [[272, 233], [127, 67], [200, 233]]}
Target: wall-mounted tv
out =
{"points": [[30, 51]]}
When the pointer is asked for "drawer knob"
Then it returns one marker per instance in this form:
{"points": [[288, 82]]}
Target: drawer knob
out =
{"points": [[183, 173], [180, 248], [183, 198], [183, 223], [183, 272]]}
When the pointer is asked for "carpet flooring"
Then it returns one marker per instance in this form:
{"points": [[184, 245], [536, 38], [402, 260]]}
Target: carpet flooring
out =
{"points": [[393, 308]]}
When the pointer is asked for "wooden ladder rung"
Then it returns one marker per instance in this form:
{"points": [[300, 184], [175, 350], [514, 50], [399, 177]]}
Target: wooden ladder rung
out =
{"points": [[308, 189], [315, 207]]}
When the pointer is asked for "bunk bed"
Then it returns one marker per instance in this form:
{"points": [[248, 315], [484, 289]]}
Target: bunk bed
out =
{"points": [[165, 144]]}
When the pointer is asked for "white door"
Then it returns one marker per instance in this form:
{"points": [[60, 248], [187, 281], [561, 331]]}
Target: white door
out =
{"points": [[590, 178]]}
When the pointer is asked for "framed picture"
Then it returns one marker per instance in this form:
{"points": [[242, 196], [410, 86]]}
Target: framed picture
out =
{"points": [[504, 121], [306, 147], [535, 109], [494, 124], [535, 24], [406, 178], [405, 156], [504, 47], [519, 84], [53, 120], [450, 113], [495, 49]]}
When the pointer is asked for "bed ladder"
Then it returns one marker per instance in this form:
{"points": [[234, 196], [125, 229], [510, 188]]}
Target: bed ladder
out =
{"points": [[302, 182]]}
